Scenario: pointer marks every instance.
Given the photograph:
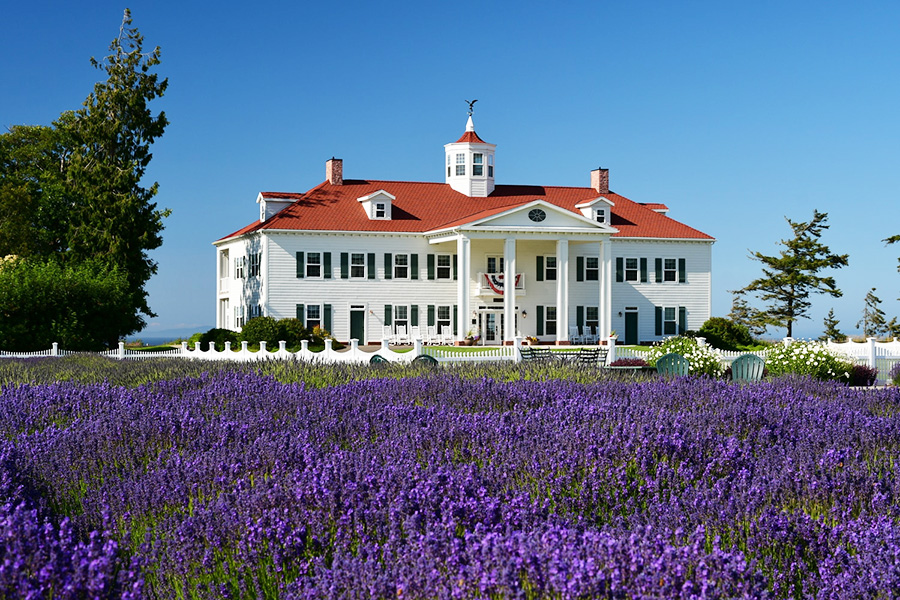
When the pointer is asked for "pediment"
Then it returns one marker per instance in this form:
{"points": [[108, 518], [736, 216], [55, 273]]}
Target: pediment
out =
{"points": [[540, 215]]}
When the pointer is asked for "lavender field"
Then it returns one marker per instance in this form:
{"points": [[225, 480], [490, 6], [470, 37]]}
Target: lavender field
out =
{"points": [[170, 481]]}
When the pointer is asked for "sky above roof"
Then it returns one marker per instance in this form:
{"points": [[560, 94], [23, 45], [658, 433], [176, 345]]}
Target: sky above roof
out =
{"points": [[735, 116]]}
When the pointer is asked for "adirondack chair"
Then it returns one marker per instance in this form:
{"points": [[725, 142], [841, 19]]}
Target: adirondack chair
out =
{"points": [[574, 336], [401, 337], [446, 335], [431, 336], [672, 365], [414, 333], [588, 335], [747, 367], [387, 333]]}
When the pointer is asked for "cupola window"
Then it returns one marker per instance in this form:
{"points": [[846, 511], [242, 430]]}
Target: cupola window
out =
{"points": [[478, 165], [460, 164], [490, 165]]}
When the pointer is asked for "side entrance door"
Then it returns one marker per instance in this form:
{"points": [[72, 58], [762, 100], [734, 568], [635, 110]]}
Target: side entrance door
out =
{"points": [[358, 323], [631, 327]]}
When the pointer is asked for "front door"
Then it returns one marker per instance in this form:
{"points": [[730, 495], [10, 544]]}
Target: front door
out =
{"points": [[358, 323], [631, 328]]}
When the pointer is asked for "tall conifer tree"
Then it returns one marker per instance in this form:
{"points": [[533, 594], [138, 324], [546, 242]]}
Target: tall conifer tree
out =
{"points": [[790, 277]]}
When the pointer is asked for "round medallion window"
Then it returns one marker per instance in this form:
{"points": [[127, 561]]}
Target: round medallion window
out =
{"points": [[537, 215]]}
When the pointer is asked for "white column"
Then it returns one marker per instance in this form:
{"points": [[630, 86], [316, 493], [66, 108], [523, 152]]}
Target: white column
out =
{"points": [[562, 290], [605, 316], [463, 283], [509, 289]]}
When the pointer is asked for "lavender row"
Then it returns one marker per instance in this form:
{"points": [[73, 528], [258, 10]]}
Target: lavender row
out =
{"points": [[232, 484]]}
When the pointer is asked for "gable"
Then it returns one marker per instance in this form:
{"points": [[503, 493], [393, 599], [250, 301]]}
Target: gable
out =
{"points": [[540, 215]]}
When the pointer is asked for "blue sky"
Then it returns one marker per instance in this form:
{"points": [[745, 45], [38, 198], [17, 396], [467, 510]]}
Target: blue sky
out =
{"points": [[735, 115]]}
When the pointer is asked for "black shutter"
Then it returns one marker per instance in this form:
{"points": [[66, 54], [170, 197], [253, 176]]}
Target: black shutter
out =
{"points": [[345, 265], [659, 320], [620, 269], [430, 260], [388, 313], [579, 268], [370, 258], [643, 270], [579, 315], [454, 268], [327, 267], [301, 313], [301, 265], [540, 269], [455, 318], [388, 265], [682, 319], [413, 266], [431, 321], [540, 319], [414, 315], [327, 310], [659, 271], [682, 270]]}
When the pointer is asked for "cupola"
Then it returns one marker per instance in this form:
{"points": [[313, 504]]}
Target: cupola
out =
{"points": [[470, 163]]}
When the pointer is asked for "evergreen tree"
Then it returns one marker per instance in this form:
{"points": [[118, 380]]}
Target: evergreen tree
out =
{"points": [[789, 278], [114, 216], [872, 322], [892, 240], [831, 329], [72, 193], [893, 328]]}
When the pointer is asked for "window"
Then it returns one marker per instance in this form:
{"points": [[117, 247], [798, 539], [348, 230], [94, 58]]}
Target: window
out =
{"points": [[592, 317], [591, 268], [401, 316], [239, 268], [631, 269], [313, 264], [448, 165], [379, 210], [401, 266], [444, 267], [550, 268], [357, 265], [253, 268], [670, 269], [223, 264], [460, 164], [443, 318], [670, 324], [550, 320], [254, 310], [494, 264], [313, 316], [490, 165], [600, 215], [238, 316], [478, 165]]}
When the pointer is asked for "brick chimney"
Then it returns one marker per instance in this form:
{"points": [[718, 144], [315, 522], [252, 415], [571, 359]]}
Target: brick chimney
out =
{"points": [[334, 171], [600, 180]]}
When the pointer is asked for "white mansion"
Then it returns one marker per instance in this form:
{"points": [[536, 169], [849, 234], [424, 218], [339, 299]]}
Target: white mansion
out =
{"points": [[466, 255]]}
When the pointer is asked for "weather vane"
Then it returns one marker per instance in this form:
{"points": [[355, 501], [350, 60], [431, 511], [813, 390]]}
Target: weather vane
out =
{"points": [[471, 106]]}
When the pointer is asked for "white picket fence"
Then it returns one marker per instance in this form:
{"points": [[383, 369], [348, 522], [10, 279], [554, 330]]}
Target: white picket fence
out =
{"points": [[353, 354]]}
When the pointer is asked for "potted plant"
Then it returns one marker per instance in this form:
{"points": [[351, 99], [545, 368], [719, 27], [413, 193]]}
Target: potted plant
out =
{"points": [[531, 341]]}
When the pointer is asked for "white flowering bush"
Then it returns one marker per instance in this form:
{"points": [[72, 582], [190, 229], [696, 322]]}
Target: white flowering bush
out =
{"points": [[703, 359], [808, 358]]}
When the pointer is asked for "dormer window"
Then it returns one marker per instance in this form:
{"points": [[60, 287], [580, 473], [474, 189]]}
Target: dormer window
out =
{"points": [[600, 215], [478, 165], [377, 205]]}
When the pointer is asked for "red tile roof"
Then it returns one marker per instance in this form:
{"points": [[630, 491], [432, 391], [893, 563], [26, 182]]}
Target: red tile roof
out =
{"points": [[422, 207], [471, 137]]}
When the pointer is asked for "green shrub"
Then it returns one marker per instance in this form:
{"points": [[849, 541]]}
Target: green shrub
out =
{"points": [[808, 358], [217, 337], [725, 334], [292, 332], [261, 329], [703, 359]]}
